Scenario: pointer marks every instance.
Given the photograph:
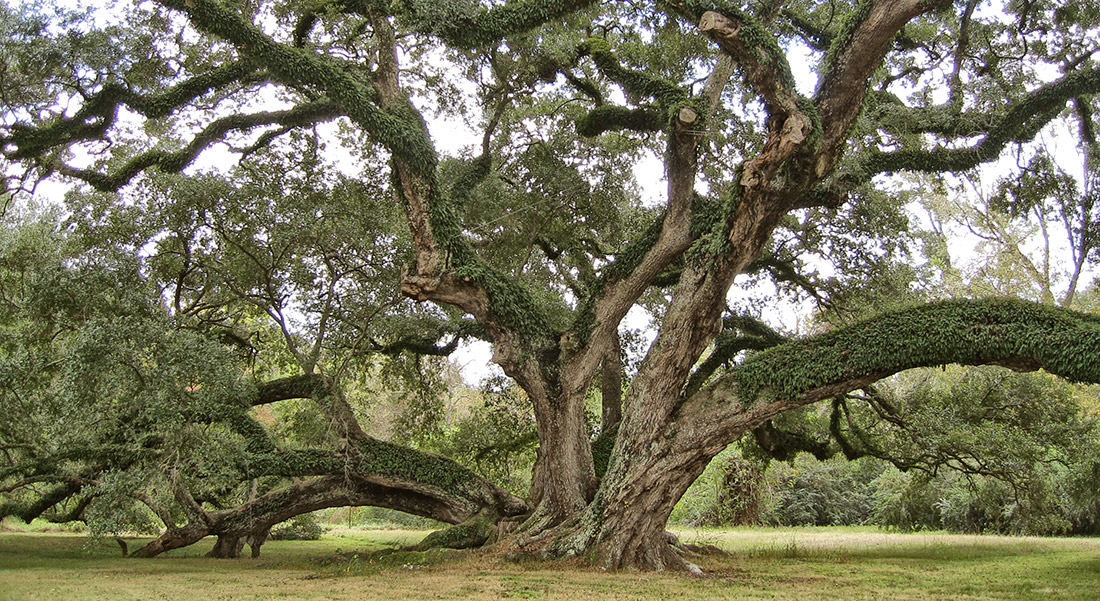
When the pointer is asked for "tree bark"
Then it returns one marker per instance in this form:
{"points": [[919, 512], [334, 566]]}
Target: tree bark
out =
{"points": [[564, 477], [249, 523]]}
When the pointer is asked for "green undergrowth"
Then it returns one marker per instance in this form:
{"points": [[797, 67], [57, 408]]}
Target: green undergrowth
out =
{"points": [[787, 563]]}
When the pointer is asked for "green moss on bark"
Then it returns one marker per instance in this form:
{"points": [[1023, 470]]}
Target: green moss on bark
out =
{"points": [[388, 459], [969, 332]]}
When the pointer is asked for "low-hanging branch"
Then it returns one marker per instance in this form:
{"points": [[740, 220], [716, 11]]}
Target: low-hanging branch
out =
{"points": [[1017, 334], [1012, 333]]}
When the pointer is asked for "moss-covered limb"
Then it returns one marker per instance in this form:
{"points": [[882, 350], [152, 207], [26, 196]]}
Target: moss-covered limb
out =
{"points": [[473, 174], [815, 36], [635, 83], [400, 132], [762, 61], [858, 49], [469, 24], [845, 36], [1013, 333], [293, 387], [256, 517], [1010, 333], [739, 333], [431, 336], [100, 110], [892, 116], [236, 417], [420, 345], [756, 50], [365, 456], [448, 271], [214, 132], [294, 463], [510, 305], [50, 465], [1021, 122], [356, 486], [397, 466], [372, 474], [42, 503], [395, 461], [612, 118], [420, 470]]}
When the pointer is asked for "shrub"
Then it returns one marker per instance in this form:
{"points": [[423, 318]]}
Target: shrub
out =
{"points": [[808, 492], [299, 527]]}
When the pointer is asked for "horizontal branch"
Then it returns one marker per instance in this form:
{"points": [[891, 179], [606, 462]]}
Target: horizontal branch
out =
{"points": [[1017, 334], [947, 120], [177, 161], [100, 110], [612, 118], [293, 387], [1021, 122], [469, 24]]}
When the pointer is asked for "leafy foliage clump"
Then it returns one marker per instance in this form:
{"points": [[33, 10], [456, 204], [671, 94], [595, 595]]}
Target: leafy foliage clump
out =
{"points": [[299, 527]]}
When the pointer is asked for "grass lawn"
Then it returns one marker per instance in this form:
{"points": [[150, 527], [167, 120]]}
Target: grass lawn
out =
{"points": [[799, 564]]}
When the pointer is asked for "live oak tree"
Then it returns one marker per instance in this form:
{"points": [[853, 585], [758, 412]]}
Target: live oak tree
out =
{"points": [[531, 229]]}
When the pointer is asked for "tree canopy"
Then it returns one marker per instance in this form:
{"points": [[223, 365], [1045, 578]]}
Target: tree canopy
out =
{"points": [[283, 193]]}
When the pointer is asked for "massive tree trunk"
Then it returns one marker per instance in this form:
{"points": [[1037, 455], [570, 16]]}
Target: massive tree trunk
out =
{"points": [[564, 478], [652, 467]]}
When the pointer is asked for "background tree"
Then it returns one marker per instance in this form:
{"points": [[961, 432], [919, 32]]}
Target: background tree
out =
{"points": [[751, 157]]}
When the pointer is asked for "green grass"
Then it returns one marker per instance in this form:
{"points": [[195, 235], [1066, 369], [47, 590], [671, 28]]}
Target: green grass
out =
{"points": [[800, 564]]}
